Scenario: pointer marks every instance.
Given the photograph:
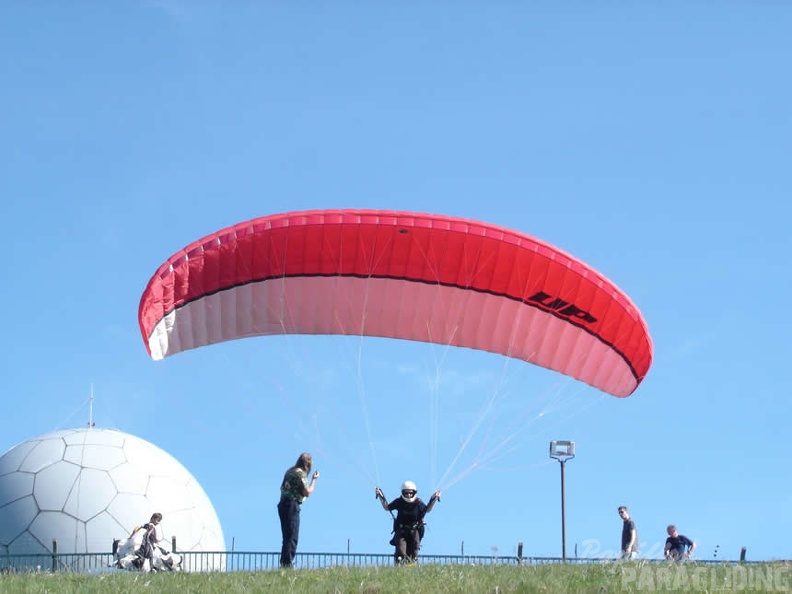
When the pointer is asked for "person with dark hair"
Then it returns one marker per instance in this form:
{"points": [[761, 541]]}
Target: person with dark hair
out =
{"points": [[294, 489], [154, 528], [146, 550], [677, 546], [629, 538], [408, 524], [152, 535]]}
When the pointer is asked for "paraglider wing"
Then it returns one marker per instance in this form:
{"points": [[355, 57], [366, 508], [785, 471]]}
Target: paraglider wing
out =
{"points": [[401, 275]]}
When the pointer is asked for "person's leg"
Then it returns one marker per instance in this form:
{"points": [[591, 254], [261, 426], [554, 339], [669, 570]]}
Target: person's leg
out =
{"points": [[290, 528], [295, 529], [286, 532], [415, 544], [401, 548]]}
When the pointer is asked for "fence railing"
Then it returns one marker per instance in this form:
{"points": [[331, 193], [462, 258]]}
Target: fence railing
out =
{"points": [[263, 561]]}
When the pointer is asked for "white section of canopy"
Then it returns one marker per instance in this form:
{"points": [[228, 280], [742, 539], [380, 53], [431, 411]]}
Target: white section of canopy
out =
{"points": [[395, 309]]}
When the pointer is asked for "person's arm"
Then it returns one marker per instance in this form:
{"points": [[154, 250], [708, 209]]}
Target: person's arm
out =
{"points": [[432, 500], [309, 488], [381, 496], [667, 549], [692, 546]]}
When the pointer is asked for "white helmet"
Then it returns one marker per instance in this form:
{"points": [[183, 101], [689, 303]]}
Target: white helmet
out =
{"points": [[409, 491]]}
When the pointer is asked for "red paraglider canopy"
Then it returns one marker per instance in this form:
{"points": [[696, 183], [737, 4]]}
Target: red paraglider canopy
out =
{"points": [[401, 275]]}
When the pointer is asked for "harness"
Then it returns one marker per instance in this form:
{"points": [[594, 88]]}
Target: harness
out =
{"points": [[419, 525], [402, 528]]}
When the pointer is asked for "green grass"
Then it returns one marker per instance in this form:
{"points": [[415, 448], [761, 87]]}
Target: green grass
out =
{"points": [[556, 579]]}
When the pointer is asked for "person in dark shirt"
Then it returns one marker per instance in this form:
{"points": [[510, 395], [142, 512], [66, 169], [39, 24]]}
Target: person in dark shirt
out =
{"points": [[629, 538], [408, 525], [677, 546]]}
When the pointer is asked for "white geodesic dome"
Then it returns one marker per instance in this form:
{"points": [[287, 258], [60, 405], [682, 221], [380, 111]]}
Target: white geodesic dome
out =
{"points": [[86, 487]]}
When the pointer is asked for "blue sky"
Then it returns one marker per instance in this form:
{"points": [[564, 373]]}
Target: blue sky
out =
{"points": [[651, 141]]}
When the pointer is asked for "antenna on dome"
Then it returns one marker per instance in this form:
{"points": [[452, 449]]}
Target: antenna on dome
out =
{"points": [[90, 410]]}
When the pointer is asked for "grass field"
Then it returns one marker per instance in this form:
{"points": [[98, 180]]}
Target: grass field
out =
{"points": [[614, 577]]}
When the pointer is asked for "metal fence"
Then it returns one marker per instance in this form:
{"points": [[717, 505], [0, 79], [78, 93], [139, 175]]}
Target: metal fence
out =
{"points": [[68, 562], [263, 561]]}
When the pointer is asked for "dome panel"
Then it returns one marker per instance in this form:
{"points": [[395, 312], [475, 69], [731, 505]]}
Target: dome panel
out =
{"points": [[16, 517], [103, 457], [13, 458], [15, 486], [97, 530], [45, 452], [66, 529], [128, 478], [27, 544], [99, 437], [54, 484], [92, 493]]}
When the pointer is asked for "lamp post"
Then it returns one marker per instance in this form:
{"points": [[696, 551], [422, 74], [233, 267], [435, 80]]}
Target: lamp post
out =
{"points": [[562, 451]]}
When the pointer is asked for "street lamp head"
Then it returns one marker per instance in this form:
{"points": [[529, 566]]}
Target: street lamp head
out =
{"points": [[562, 450]]}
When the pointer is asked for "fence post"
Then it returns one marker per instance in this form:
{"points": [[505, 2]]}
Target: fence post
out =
{"points": [[519, 553], [54, 555], [173, 544], [742, 554]]}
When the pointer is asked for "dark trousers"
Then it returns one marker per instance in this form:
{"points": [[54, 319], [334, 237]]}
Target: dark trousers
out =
{"points": [[407, 543], [289, 514]]}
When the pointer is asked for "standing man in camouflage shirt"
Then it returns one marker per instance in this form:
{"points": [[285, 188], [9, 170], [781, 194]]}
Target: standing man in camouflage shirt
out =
{"points": [[294, 489]]}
